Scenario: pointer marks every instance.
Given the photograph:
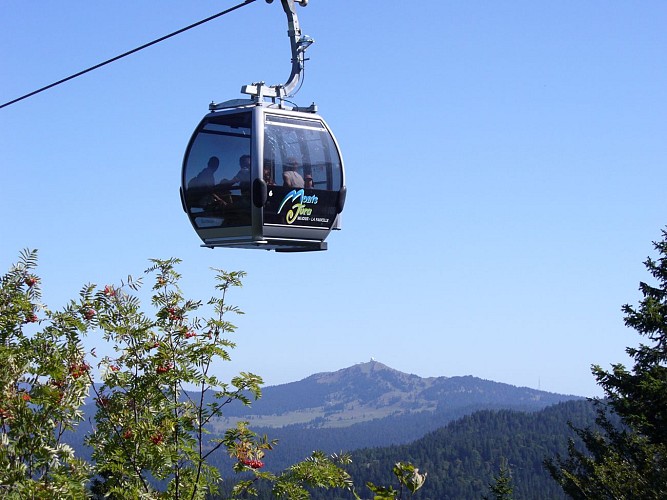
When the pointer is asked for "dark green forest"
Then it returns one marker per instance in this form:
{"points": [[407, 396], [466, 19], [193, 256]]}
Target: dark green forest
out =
{"points": [[295, 442], [463, 458]]}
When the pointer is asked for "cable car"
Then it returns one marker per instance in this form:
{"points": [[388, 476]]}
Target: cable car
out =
{"points": [[259, 173]]}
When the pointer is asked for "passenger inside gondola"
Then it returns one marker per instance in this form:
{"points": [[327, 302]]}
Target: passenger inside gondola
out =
{"points": [[206, 176], [242, 177], [291, 177], [268, 173], [233, 195], [200, 187]]}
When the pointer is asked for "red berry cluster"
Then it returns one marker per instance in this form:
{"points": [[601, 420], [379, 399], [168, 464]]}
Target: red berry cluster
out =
{"points": [[31, 318], [58, 383], [5, 413], [114, 368], [128, 434], [253, 464], [164, 368], [89, 313], [76, 370], [109, 291], [174, 315], [157, 438], [189, 334], [30, 281]]}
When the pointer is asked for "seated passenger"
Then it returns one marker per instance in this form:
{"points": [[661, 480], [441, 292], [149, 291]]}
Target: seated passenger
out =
{"points": [[235, 206], [268, 174], [205, 177], [291, 177], [200, 187], [243, 175], [308, 182]]}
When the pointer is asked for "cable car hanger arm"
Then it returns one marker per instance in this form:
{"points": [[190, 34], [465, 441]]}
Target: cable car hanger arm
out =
{"points": [[298, 44]]}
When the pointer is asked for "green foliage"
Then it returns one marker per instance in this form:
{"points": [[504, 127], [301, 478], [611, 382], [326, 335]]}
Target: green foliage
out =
{"points": [[317, 471], [502, 488], [628, 460], [408, 477], [150, 438], [43, 383], [616, 464], [148, 426]]}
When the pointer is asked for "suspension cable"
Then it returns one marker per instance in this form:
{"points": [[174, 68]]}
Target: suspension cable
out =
{"points": [[113, 59]]}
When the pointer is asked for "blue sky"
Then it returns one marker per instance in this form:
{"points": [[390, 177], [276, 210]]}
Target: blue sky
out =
{"points": [[505, 166]]}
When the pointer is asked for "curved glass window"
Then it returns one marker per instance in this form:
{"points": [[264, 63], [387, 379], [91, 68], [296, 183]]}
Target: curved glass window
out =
{"points": [[216, 172], [303, 171]]}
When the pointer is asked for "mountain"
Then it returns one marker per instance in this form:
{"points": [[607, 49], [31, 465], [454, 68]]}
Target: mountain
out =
{"points": [[370, 405], [363, 406], [372, 390]]}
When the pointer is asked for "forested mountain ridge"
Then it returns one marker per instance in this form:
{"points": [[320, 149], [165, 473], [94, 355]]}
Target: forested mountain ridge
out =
{"points": [[370, 405], [371, 391], [362, 406], [462, 458]]}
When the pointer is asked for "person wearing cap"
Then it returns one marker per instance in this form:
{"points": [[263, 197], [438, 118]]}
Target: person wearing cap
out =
{"points": [[292, 178]]}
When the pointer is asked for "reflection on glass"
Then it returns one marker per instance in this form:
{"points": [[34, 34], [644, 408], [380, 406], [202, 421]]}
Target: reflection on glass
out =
{"points": [[302, 149], [217, 172], [305, 169]]}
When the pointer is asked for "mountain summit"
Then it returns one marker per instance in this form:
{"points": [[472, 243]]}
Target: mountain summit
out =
{"points": [[370, 391]]}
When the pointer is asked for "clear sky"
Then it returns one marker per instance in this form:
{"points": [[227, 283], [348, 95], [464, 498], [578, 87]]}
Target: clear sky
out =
{"points": [[505, 162]]}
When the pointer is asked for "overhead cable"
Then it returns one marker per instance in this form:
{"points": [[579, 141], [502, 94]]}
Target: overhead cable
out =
{"points": [[113, 59]]}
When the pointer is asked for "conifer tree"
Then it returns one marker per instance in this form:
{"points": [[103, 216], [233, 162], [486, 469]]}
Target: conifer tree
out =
{"points": [[502, 488], [626, 456]]}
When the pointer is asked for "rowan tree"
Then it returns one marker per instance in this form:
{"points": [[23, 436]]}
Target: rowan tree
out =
{"points": [[43, 383], [156, 400]]}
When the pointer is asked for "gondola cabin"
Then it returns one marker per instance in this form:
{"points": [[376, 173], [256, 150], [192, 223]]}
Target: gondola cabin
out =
{"points": [[256, 175]]}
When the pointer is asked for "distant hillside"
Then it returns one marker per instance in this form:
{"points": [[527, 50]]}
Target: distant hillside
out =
{"points": [[371, 391], [365, 405], [462, 458], [370, 405]]}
